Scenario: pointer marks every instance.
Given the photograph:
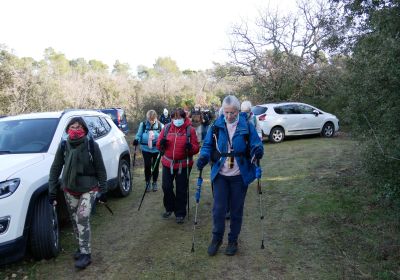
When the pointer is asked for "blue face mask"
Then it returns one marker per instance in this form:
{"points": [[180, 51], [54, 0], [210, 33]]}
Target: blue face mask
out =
{"points": [[178, 122]]}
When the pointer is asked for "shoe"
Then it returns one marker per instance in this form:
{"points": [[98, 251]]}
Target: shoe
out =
{"points": [[228, 216], [155, 187], [231, 249], [83, 261], [77, 254], [148, 188], [167, 214], [213, 247], [180, 220]]}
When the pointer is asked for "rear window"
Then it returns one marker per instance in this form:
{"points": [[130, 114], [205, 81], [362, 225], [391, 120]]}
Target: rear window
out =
{"points": [[258, 110]]}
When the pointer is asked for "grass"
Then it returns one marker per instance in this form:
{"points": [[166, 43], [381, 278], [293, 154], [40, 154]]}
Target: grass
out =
{"points": [[322, 221]]}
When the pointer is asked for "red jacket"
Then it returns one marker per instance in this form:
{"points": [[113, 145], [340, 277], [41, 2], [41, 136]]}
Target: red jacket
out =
{"points": [[175, 151]]}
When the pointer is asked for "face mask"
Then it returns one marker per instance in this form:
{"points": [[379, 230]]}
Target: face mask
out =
{"points": [[76, 134], [178, 122]]}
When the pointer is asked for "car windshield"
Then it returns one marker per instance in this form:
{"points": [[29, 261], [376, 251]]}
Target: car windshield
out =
{"points": [[26, 136], [258, 110]]}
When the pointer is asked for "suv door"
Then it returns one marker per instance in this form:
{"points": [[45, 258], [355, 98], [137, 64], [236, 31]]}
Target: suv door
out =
{"points": [[310, 122], [290, 118]]}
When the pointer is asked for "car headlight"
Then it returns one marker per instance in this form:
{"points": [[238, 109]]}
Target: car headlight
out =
{"points": [[8, 187]]}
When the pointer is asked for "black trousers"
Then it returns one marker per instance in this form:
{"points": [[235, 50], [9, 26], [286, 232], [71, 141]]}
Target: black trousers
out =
{"points": [[149, 160], [175, 201]]}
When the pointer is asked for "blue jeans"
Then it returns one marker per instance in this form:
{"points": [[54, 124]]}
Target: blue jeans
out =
{"points": [[228, 190]]}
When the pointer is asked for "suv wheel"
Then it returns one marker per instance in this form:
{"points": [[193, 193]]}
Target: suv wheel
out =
{"points": [[124, 178], [44, 232], [276, 135], [328, 130]]}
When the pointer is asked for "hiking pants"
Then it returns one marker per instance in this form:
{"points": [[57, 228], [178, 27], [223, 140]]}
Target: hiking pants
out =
{"points": [[175, 202], [149, 160], [79, 209], [228, 190]]}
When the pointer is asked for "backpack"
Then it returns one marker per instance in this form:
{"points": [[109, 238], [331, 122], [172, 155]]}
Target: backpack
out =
{"points": [[168, 126], [151, 127], [90, 146]]}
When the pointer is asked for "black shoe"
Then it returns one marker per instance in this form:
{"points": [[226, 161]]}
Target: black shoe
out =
{"points": [[180, 220], [231, 249], [77, 254], [214, 246], [83, 261], [167, 214]]}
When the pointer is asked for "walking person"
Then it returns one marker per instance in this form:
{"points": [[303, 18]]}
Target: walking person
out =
{"points": [[165, 117], [197, 119], [178, 143], [83, 179], [232, 146], [245, 107], [147, 136]]}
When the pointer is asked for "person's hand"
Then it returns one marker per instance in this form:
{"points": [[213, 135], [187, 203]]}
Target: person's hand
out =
{"points": [[135, 142], [53, 200], [258, 152], [258, 172], [163, 143], [201, 162], [188, 146], [101, 197]]}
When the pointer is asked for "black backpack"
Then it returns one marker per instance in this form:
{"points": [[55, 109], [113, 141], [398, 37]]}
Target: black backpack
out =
{"points": [[90, 146]]}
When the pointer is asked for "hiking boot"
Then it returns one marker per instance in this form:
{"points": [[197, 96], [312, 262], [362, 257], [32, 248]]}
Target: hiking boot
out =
{"points": [[180, 220], [213, 247], [231, 249], [83, 261], [155, 187], [148, 188], [77, 254], [167, 214], [228, 215]]}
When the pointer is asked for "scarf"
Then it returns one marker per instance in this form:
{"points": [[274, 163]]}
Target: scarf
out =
{"points": [[73, 165]]}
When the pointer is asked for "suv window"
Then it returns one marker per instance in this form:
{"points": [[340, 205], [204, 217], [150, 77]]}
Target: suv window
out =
{"points": [[287, 109], [304, 109], [96, 127], [258, 110]]}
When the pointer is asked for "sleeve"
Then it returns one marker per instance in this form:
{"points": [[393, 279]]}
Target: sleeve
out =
{"points": [[55, 171], [207, 146], [254, 139], [101, 172], [159, 139], [194, 141], [139, 132]]}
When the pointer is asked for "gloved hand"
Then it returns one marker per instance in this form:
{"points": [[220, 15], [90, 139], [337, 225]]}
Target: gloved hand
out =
{"points": [[258, 172], [188, 146], [101, 197], [135, 142], [163, 143], [201, 162], [258, 152], [53, 199]]}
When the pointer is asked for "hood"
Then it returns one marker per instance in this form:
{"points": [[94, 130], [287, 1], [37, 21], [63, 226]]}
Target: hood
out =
{"points": [[11, 164]]}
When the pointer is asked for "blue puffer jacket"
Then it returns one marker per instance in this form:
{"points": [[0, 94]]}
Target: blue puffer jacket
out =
{"points": [[143, 135], [243, 131]]}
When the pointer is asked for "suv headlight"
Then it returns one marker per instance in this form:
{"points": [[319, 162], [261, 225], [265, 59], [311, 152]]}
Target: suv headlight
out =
{"points": [[8, 187]]}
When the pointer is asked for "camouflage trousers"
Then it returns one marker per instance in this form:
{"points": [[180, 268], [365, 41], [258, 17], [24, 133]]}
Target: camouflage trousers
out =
{"points": [[79, 209]]}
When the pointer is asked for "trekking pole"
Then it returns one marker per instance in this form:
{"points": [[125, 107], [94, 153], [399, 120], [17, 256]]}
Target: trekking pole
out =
{"points": [[151, 173], [134, 156], [197, 196], [187, 174], [260, 196]]}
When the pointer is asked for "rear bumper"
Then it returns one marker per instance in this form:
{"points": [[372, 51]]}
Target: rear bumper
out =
{"points": [[13, 250]]}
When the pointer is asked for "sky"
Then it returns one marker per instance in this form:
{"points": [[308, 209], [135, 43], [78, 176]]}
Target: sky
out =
{"points": [[194, 33]]}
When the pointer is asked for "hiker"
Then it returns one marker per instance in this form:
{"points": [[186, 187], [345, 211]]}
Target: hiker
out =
{"points": [[165, 117], [232, 144], [178, 143], [83, 179], [206, 120], [147, 135], [197, 120], [246, 108]]}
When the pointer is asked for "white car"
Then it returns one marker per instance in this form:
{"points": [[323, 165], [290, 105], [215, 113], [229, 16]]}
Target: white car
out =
{"points": [[28, 144], [279, 120]]}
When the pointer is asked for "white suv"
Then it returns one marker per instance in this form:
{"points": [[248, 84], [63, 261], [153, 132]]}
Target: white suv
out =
{"points": [[278, 120], [28, 144]]}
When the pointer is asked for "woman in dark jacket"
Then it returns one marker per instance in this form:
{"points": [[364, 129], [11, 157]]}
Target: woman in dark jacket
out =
{"points": [[83, 179], [177, 160], [233, 145]]}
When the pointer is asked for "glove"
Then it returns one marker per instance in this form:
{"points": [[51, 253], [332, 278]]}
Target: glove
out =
{"points": [[52, 199], [135, 142], [201, 162], [163, 143], [258, 172], [258, 152], [101, 197], [188, 146]]}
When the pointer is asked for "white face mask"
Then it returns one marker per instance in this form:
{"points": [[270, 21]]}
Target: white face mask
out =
{"points": [[178, 122]]}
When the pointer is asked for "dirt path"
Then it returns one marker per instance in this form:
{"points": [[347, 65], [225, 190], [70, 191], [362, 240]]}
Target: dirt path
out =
{"points": [[297, 174]]}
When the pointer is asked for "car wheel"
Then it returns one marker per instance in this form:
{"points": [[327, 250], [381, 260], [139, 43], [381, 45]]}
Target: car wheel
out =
{"points": [[124, 179], [276, 135], [328, 130], [44, 232]]}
